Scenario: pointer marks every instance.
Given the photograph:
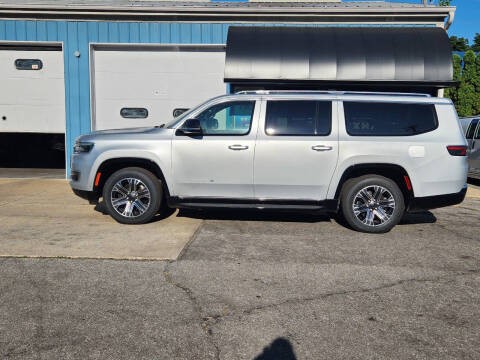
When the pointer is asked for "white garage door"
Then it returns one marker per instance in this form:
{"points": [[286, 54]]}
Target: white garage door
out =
{"points": [[139, 86], [32, 91]]}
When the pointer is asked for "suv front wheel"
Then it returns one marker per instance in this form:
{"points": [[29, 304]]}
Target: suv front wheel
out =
{"points": [[132, 195], [372, 203]]}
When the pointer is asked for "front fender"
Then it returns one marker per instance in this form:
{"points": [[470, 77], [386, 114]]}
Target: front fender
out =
{"points": [[163, 164]]}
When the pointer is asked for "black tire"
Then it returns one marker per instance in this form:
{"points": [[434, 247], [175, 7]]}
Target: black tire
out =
{"points": [[376, 209], [146, 181]]}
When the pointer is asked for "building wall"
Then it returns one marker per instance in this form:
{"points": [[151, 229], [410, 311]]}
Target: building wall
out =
{"points": [[77, 35]]}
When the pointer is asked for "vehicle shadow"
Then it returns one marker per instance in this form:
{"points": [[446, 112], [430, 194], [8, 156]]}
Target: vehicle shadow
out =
{"points": [[164, 212], [279, 349], [423, 217], [254, 215]]}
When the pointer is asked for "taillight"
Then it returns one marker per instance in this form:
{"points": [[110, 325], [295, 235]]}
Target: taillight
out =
{"points": [[457, 150]]}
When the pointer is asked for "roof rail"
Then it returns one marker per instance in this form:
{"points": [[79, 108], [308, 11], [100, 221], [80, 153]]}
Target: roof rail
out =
{"points": [[335, 92]]}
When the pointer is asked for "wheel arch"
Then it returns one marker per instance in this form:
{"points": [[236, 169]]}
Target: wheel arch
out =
{"points": [[394, 172], [109, 166]]}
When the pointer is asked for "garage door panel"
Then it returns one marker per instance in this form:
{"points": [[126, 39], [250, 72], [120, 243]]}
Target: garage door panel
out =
{"points": [[128, 86], [159, 81], [34, 119], [32, 100], [38, 90]]}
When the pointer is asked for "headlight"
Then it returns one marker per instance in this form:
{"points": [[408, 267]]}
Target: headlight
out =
{"points": [[82, 147]]}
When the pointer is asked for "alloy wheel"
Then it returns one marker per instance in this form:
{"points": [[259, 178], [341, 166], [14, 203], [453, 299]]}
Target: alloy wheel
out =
{"points": [[130, 197], [373, 205]]}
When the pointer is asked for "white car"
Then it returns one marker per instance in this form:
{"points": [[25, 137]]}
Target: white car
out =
{"points": [[370, 156]]}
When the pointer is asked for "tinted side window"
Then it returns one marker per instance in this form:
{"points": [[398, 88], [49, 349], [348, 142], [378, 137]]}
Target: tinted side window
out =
{"points": [[230, 118], [477, 133], [389, 119], [303, 117], [471, 129]]}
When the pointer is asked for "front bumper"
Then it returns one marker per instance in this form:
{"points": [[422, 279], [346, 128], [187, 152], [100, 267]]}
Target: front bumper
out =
{"points": [[437, 201], [91, 196]]}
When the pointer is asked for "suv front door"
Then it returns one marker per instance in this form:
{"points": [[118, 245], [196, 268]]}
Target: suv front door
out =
{"points": [[297, 149], [219, 163]]}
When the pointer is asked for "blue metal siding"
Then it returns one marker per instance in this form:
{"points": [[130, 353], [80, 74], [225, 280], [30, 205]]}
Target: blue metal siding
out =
{"points": [[76, 36]]}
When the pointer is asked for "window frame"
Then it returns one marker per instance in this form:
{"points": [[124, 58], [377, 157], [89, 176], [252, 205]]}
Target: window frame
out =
{"points": [[316, 118], [254, 101], [435, 116], [476, 134], [472, 125]]}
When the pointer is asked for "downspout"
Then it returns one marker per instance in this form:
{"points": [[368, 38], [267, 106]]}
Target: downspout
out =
{"points": [[451, 16]]}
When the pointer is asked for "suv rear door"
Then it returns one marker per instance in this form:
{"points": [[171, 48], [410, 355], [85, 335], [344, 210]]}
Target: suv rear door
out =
{"points": [[297, 148]]}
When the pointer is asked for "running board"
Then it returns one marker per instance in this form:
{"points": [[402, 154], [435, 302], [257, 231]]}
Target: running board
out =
{"points": [[226, 203]]}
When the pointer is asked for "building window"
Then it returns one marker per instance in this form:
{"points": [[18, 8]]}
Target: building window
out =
{"points": [[28, 64], [298, 118], [389, 119], [134, 113]]}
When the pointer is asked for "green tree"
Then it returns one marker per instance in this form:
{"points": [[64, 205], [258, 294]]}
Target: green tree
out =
{"points": [[444, 2], [459, 44], [468, 97], [476, 43], [452, 92]]}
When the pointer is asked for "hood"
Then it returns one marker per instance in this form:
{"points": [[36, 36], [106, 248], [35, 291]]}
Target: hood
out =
{"points": [[123, 134], [124, 131]]}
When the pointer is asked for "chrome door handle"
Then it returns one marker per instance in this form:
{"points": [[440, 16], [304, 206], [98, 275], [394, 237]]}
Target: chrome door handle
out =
{"points": [[321, 148], [238, 147]]}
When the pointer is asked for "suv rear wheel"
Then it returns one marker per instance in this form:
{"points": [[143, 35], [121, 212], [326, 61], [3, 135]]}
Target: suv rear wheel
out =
{"points": [[132, 195], [372, 203]]}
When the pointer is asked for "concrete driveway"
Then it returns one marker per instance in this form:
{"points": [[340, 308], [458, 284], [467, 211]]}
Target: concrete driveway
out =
{"points": [[253, 285], [43, 218]]}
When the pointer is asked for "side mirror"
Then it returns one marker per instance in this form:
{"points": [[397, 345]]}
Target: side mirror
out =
{"points": [[179, 111], [191, 127]]}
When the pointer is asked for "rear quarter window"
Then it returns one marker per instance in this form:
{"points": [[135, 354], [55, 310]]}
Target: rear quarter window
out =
{"points": [[389, 119]]}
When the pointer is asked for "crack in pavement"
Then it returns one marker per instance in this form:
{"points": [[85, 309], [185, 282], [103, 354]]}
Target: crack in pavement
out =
{"points": [[457, 233], [197, 308], [213, 319]]}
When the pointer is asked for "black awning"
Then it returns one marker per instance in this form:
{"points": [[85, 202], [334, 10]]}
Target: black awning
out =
{"points": [[343, 56]]}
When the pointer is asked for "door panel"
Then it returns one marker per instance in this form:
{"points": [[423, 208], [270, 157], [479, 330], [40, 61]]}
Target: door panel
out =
{"points": [[158, 79], [32, 91], [295, 167], [217, 164]]}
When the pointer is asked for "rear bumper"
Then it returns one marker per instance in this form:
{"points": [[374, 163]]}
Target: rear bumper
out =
{"points": [[433, 202]]}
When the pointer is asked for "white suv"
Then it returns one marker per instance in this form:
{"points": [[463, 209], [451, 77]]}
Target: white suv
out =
{"points": [[370, 156]]}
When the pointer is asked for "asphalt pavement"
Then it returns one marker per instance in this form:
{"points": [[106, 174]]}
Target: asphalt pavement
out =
{"points": [[256, 285], [238, 285]]}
